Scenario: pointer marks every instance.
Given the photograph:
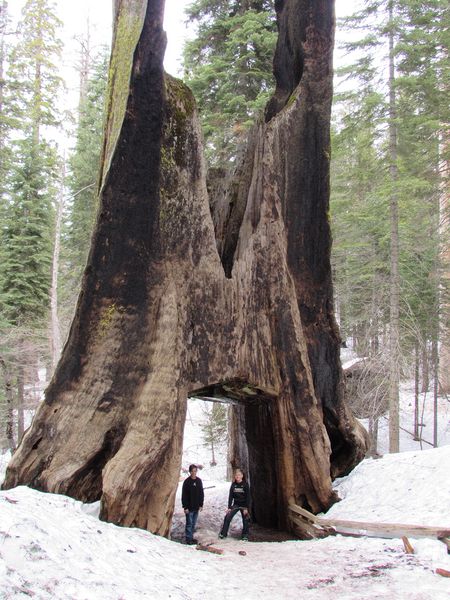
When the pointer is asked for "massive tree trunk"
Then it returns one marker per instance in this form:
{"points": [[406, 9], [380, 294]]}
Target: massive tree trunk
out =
{"points": [[168, 312]]}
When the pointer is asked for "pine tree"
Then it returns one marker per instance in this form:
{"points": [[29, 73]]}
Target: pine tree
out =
{"points": [[82, 181], [3, 25], [424, 75], [359, 217], [400, 53], [26, 248], [214, 427], [28, 219], [229, 68], [5, 154], [34, 67], [32, 84]]}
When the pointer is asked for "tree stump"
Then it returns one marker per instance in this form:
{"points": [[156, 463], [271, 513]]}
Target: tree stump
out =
{"points": [[168, 311]]}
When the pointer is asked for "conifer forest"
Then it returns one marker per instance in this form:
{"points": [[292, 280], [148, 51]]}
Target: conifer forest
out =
{"points": [[389, 185]]}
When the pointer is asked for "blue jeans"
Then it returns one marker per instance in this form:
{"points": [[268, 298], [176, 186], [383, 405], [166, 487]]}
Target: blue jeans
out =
{"points": [[191, 521], [229, 517]]}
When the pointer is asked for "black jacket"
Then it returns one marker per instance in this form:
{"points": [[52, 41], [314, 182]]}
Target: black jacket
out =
{"points": [[239, 495], [192, 495]]}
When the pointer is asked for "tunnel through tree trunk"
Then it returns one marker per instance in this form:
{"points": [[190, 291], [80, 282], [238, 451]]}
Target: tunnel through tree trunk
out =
{"points": [[167, 309], [263, 465]]}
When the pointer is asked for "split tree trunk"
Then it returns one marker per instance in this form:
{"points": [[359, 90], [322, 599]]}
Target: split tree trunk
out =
{"points": [[163, 314]]}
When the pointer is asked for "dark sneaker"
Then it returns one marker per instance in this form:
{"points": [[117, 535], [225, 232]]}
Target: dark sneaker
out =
{"points": [[244, 538], [191, 542], [221, 536]]}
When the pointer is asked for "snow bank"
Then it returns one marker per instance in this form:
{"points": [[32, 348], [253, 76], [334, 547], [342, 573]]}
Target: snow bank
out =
{"points": [[51, 547], [410, 487], [4, 460], [54, 547]]}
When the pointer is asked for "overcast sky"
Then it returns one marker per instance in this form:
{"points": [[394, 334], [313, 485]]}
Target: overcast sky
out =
{"points": [[74, 14]]}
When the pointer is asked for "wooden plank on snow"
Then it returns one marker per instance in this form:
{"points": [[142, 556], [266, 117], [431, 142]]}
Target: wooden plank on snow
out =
{"points": [[407, 545], [303, 512], [370, 529]]}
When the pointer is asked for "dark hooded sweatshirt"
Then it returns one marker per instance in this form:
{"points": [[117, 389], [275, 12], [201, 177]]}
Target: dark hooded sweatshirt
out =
{"points": [[239, 495], [192, 495]]}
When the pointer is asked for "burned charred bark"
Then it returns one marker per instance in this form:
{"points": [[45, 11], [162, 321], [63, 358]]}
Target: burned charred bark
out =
{"points": [[168, 309]]}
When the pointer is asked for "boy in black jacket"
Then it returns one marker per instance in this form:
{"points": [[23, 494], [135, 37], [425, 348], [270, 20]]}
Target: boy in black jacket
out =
{"points": [[238, 500], [192, 497]]}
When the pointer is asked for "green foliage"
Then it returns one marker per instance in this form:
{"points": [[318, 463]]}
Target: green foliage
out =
{"points": [[84, 173], [361, 186], [229, 68], [26, 236], [5, 153], [215, 425], [34, 79], [29, 179], [27, 208]]}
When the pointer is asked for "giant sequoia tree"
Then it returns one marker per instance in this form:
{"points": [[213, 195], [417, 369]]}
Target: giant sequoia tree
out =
{"points": [[177, 301]]}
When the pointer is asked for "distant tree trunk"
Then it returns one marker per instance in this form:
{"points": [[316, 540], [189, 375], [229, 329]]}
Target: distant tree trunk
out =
{"points": [[373, 434], [20, 400], [213, 457], [55, 331], [3, 7], [425, 368], [163, 315], [85, 63], [9, 396], [444, 279], [435, 362], [416, 390], [394, 338]]}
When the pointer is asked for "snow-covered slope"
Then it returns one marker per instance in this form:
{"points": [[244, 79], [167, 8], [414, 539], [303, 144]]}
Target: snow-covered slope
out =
{"points": [[410, 487], [52, 547]]}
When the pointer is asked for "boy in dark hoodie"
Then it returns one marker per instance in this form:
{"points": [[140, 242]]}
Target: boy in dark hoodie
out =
{"points": [[192, 497], [238, 500]]}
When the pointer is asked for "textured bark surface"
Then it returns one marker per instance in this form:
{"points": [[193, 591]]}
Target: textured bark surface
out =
{"points": [[167, 311]]}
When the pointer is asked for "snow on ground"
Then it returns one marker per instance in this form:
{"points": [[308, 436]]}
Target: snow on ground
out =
{"points": [[4, 460], [410, 488], [52, 547]]}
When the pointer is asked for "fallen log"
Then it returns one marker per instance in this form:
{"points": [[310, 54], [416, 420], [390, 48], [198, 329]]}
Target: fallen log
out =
{"points": [[370, 529], [443, 572], [207, 548]]}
